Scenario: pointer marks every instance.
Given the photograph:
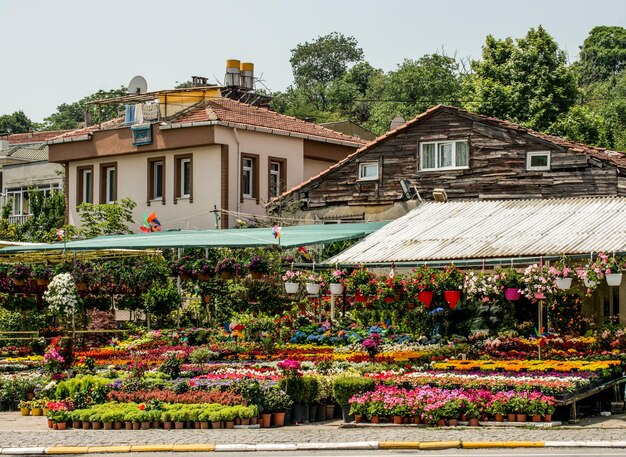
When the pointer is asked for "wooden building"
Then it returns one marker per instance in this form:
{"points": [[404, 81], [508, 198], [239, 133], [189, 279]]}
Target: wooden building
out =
{"points": [[447, 153]]}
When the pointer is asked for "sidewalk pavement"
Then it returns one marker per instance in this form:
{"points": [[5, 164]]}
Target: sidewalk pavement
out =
{"points": [[18, 433]]}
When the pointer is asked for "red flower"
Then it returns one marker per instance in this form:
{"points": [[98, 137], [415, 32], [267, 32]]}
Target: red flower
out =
{"points": [[142, 407]]}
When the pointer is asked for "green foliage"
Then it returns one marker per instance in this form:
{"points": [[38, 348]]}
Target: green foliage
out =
{"points": [[48, 215], [160, 300], [345, 388], [603, 54], [106, 218], [414, 87], [16, 122], [526, 81], [71, 115]]}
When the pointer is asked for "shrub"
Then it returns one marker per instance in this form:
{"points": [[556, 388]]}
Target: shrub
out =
{"points": [[345, 388]]}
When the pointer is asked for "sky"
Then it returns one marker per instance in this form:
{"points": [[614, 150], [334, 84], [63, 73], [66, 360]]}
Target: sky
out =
{"points": [[60, 51]]}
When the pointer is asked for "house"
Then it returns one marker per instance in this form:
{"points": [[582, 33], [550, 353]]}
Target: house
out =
{"points": [[24, 166], [201, 160], [447, 153]]}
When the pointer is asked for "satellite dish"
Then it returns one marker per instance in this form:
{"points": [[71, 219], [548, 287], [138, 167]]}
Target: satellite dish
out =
{"points": [[137, 85]]}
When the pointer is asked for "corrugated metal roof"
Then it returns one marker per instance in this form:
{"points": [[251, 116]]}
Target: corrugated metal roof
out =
{"points": [[496, 229], [26, 153]]}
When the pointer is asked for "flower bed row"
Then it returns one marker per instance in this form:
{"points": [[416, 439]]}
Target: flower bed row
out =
{"points": [[429, 405], [530, 365]]}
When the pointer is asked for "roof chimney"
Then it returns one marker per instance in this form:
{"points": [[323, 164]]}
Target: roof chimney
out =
{"points": [[397, 122]]}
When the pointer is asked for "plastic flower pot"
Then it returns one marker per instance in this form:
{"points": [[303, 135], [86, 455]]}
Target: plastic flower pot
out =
{"points": [[563, 283], [291, 287], [589, 284], [512, 294], [614, 279], [226, 275], [256, 275], [452, 297], [540, 296], [312, 288], [425, 297], [336, 288], [204, 276]]}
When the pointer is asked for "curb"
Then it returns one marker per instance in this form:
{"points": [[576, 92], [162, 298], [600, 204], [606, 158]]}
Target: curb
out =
{"points": [[358, 445]]}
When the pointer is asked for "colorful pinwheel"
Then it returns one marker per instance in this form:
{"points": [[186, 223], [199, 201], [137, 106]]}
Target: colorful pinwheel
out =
{"points": [[150, 224]]}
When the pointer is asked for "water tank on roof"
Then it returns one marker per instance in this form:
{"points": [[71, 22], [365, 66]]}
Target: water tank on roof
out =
{"points": [[233, 73], [247, 75]]}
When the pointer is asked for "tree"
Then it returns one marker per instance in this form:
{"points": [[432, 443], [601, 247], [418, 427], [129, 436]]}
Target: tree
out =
{"points": [[48, 215], [414, 87], [526, 81], [603, 54], [318, 64], [17, 122], [106, 218], [351, 94], [71, 115]]}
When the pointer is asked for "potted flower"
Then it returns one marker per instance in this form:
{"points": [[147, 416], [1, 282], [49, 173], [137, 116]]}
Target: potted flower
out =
{"points": [[451, 282], [202, 269], [228, 268], [183, 268], [42, 274], [337, 277], [81, 272], [482, 286], [561, 274], [423, 283], [258, 267], [612, 268], [512, 283], [314, 283], [537, 284], [19, 273], [360, 283], [591, 274], [291, 281]]}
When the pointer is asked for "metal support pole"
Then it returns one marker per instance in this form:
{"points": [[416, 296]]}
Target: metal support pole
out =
{"points": [[180, 254]]}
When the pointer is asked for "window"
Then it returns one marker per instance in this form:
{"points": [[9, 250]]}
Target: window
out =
{"points": [[277, 176], [368, 171], [444, 155], [84, 193], [538, 160], [19, 196], [108, 183], [156, 179], [250, 176], [183, 179]]}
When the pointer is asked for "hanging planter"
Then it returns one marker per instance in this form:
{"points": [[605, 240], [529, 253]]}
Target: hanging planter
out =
{"points": [[42, 282], [226, 275], [539, 296], [81, 286], [563, 283], [18, 282], [336, 288], [425, 297], [312, 288], [614, 279], [256, 275], [512, 294], [452, 297], [204, 276], [292, 287], [589, 284]]}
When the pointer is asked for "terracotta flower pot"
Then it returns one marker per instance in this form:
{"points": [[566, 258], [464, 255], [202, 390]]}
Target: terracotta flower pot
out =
{"points": [[278, 419], [417, 420], [167, 425], [107, 425], [442, 423], [547, 418], [145, 425], [473, 422], [136, 425], [375, 419], [50, 423], [216, 425], [498, 417], [42, 282], [397, 420], [536, 418], [267, 420], [179, 425], [521, 418], [117, 425], [86, 425], [511, 417], [18, 282], [358, 418], [204, 425], [453, 422], [128, 425], [61, 425], [229, 424], [245, 421]]}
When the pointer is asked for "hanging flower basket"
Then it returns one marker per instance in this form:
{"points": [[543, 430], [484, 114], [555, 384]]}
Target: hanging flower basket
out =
{"points": [[563, 283], [539, 296], [204, 276], [336, 288], [81, 286], [425, 297], [312, 288], [512, 294], [226, 274], [452, 297], [42, 282], [614, 279], [18, 282], [589, 284], [256, 275], [291, 287]]}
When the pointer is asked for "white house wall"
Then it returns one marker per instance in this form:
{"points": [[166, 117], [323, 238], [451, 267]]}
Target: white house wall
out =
{"points": [[31, 175]]}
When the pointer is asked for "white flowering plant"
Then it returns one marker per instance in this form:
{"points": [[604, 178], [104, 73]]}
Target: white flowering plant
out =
{"points": [[482, 286], [537, 281], [62, 296]]}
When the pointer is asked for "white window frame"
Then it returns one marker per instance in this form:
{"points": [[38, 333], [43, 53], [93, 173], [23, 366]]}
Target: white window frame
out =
{"points": [[529, 157], [184, 194], [87, 186], [363, 166], [249, 171], [110, 184], [275, 178], [156, 180], [437, 167]]}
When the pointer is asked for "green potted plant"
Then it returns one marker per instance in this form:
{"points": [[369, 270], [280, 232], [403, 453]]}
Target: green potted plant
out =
{"points": [[511, 281], [345, 388], [216, 418], [228, 268], [451, 282], [42, 274], [166, 419], [203, 269]]}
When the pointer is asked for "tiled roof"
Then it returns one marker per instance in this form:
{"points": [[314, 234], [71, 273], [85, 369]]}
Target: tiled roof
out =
{"points": [[231, 111], [76, 133], [33, 137], [614, 157]]}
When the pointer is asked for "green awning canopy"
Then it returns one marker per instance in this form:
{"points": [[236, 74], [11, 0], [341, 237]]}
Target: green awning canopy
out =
{"points": [[300, 235]]}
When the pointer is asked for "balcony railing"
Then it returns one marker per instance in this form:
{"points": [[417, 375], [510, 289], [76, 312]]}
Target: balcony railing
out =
{"points": [[20, 219]]}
